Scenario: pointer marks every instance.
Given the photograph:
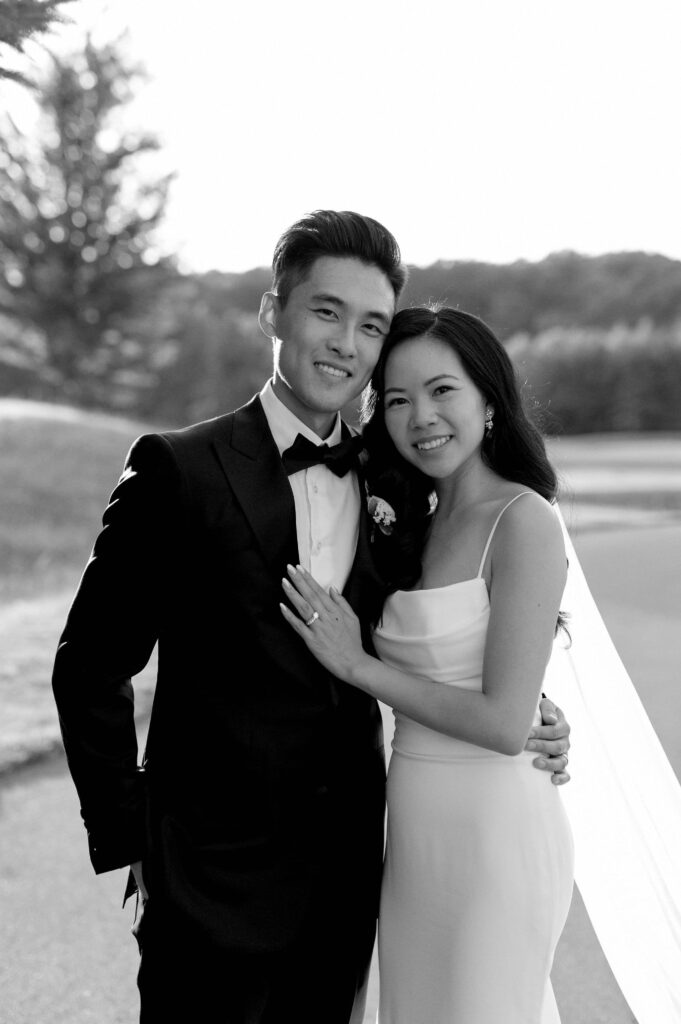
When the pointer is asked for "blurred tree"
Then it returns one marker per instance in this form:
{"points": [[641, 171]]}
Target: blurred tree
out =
{"points": [[589, 380], [219, 356], [565, 289], [21, 20], [79, 275]]}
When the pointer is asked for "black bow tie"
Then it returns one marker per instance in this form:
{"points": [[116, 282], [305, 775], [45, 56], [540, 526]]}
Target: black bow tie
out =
{"points": [[339, 458]]}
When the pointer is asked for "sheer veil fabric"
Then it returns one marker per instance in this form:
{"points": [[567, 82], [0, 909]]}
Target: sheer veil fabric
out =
{"points": [[624, 806]]}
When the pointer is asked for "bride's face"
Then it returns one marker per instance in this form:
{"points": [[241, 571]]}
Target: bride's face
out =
{"points": [[434, 413]]}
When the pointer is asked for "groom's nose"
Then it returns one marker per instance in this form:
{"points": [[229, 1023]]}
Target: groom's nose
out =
{"points": [[343, 340]]}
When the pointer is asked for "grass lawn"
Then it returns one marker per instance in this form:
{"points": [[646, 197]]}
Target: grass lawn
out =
{"points": [[58, 472], [58, 467]]}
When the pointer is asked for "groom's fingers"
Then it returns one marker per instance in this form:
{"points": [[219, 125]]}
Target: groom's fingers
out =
{"points": [[558, 763], [560, 778], [549, 712], [549, 747], [559, 731], [555, 765]]}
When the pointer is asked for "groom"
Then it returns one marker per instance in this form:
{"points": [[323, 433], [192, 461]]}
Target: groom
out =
{"points": [[255, 826]]}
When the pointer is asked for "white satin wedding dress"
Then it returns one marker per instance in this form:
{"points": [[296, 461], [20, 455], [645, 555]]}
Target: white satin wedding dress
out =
{"points": [[479, 858]]}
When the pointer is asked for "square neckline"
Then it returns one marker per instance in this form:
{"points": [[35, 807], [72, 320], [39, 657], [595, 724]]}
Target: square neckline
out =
{"points": [[472, 579], [445, 586]]}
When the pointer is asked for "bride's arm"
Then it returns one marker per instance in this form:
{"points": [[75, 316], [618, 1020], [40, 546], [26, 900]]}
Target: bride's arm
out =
{"points": [[528, 576]]}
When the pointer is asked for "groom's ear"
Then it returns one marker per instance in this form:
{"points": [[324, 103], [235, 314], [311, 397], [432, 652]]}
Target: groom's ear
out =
{"points": [[267, 317]]}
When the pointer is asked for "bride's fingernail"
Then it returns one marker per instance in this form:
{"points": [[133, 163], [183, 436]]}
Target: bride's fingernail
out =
{"points": [[540, 762], [286, 584], [299, 568], [291, 569]]}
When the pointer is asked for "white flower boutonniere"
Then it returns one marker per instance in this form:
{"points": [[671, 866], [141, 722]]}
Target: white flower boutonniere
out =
{"points": [[382, 514]]}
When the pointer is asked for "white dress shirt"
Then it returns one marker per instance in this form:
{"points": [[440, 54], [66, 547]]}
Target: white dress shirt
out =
{"points": [[327, 506]]}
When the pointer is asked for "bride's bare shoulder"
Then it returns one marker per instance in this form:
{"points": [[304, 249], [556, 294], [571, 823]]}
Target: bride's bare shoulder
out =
{"points": [[529, 523]]}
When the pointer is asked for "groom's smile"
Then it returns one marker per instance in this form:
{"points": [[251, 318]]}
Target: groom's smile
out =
{"points": [[333, 371], [327, 337]]}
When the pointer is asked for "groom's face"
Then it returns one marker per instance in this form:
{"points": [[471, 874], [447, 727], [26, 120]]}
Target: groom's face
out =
{"points": [[328, 336]]}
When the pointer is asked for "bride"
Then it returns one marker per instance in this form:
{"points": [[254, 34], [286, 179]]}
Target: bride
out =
{"points": [[479, 860]]}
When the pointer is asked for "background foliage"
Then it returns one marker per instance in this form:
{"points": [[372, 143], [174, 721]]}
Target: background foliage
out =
{"points": [[81, 280], [21, 21]]}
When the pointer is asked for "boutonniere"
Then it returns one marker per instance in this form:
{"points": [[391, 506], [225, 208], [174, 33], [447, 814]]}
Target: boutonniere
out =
{"points": [[382, 513]]}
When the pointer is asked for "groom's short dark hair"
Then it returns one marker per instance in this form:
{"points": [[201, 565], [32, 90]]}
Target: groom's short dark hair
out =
{"points": [[334, 233]]}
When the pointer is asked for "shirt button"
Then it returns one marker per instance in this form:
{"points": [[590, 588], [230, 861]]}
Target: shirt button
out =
{"points": [[315, 489]]}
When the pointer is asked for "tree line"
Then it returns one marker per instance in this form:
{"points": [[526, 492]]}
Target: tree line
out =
{"points": [[91, 313]]}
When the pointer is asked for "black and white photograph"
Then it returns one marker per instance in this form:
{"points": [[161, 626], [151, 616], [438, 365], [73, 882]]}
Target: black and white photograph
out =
{"points": [[340, 512]]}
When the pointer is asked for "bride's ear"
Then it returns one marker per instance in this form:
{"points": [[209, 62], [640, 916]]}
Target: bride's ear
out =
{"points": [[267, 317]]}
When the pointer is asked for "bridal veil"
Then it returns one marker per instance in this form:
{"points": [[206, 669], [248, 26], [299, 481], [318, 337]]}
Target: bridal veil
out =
{"points": [[624, 804]]}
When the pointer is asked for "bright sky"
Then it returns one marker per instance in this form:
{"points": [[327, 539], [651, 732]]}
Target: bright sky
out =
{"points": [[490, 129]]}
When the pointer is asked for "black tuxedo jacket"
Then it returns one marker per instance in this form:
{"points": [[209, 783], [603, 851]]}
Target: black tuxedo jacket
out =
{"points": [[260, 799]]}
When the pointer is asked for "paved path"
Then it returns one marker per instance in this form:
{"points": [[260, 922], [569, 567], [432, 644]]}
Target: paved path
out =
{"points": [[67, 956]]}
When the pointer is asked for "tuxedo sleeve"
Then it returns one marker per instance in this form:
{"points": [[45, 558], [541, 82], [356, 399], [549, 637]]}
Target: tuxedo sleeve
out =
{"points": [[110, 633]]}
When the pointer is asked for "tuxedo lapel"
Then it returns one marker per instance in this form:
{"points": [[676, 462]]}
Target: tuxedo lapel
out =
{"points": [[251, 462]]}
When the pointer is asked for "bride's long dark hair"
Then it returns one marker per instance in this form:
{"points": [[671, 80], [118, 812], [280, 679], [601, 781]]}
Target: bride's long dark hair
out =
{"points": [[514, 448]]}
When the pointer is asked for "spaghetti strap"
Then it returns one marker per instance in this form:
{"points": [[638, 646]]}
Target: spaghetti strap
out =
{"points": [[491, 532]]}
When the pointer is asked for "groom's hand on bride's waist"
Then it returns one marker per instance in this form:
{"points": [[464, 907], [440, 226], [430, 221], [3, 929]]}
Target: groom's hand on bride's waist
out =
{"points": [[551, 741]]}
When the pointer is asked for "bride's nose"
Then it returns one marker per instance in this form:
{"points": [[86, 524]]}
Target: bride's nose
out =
{"points": [[423, 414]]}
